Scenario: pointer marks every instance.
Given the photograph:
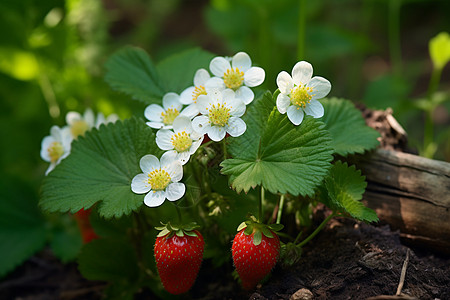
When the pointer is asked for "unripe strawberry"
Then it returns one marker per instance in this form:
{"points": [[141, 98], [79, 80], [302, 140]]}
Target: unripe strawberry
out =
{"points": [[255, 252], [178, 255]]}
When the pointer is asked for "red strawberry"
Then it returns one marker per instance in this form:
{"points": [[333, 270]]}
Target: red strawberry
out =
{"points": [[87, 232], [255, 252], [178, 255]]}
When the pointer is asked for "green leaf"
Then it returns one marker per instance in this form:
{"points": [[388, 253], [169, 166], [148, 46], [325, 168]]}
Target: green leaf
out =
{"points": [[108, 260], [22, 227], [65, 240], [100, 169], [439, 47], [348, 129], [131, 71], [177, 71], [257, 238], [267, 232], [343, 190], [277, 154], [276, 227]]}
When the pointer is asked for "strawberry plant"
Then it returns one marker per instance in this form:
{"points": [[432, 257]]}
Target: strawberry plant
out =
{"points": [[208, 150]]}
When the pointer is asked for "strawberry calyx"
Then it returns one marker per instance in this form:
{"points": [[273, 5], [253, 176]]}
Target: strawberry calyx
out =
{"points": [[168, 230], [252, 226]]}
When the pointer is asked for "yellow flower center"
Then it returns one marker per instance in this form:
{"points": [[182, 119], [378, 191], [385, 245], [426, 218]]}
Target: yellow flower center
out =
{"points": [[79, 127], [233, 78], [199, 90], [181, 141], [169, 115], [219, 115], [301, 95], [158, 179], [55, 151]]}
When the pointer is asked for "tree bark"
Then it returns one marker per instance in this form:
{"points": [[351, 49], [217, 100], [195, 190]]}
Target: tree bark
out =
{"points": [[411, 193]]}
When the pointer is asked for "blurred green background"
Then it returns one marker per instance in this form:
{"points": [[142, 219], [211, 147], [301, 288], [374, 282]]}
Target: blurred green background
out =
{"points": [[52, 54]]}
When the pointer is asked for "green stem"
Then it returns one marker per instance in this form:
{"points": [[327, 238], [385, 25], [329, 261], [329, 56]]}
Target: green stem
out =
{"points": [[429, 126], [301, 30], [260, 206], [394, 36], [180, 219], [315, 232], [280, 209], [224, 145]]}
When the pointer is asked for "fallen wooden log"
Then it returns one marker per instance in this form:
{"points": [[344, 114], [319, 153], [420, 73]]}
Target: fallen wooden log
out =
{"points": [[411, 193]]}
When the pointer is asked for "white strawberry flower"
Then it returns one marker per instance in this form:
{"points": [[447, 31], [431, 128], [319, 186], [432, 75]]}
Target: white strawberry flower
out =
{"points": [[239, 75], [221, 112], [299, 93], [183, 140], [160, 179], [201, 87], [162, 117], [79, 124], [56, 146]]}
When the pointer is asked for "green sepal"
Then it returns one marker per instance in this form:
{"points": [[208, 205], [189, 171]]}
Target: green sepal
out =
{"points": [[257, 238], [169, 230], [248, 230], [276, 227], [242, 226], [267, 232]]}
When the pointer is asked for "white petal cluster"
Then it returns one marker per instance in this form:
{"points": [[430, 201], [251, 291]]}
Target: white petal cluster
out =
{"points": [[299, 93], [79, 124], [238, 75], [221, 112], [182, 140], [56, 146], [159, 180], [162, 117]]}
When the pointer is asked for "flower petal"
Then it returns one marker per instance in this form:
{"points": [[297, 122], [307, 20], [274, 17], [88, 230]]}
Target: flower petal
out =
{"points": [[163, 139], [203, 102], [140, 185], [201, 124], [175, 169], [315, 109], [190, 111], [175, 191], [254, 76], [214, 83], [73, 116], [155, 198], [186, 95], [302, 73], [284, 82], [182, 123], [241, 61], [148, 163], [283, 103], [236, 126], [89, 117], [168, 158], [172, 100], [219, 65], [196, 144], [295, 114], [158, 125], [321, 87], [153, 112], [245, 94], [201, 77], [183, 157], [217, 133], [237, 107]]}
